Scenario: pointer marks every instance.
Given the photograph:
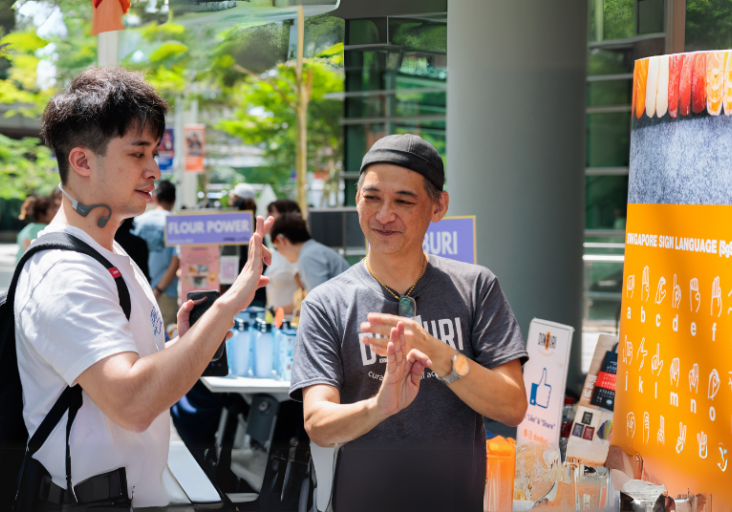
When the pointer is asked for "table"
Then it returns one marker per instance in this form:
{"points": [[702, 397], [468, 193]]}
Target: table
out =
{"points": [[278, 389], [248, 386]]}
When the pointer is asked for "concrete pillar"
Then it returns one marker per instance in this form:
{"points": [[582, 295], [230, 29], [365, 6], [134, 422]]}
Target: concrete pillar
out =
{"points": [[515, 149]]}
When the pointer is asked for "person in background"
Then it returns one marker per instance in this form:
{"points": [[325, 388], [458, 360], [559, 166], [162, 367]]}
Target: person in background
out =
{"points": [[41, 211], [134, 246], [316, 263], [282, 274], [240, 192], [163, 261], [244, 204]]}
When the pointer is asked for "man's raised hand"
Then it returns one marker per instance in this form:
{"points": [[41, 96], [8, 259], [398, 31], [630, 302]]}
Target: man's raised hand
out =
{"points": [[403, 374]]}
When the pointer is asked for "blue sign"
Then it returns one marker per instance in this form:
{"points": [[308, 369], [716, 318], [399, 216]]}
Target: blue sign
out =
{"points": [[209, 228], [453, 238]]}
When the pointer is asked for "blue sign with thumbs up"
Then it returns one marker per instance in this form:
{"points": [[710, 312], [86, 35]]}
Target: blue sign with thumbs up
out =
{"points": [[541, 392]]}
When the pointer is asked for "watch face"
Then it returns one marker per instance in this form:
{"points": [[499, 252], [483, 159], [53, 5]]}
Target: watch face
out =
{"points": [[460, 365]]}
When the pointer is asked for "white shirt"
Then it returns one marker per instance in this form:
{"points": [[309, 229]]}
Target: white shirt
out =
{"points": [[282, 285], [68, 317]]}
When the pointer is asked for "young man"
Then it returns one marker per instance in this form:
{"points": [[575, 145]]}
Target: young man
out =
{"points": [[409, 439], [163, 261], [70, 328], [316, 263]]}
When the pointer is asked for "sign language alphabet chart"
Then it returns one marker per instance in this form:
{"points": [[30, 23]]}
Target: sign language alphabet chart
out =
{"points": [[678, 349]]}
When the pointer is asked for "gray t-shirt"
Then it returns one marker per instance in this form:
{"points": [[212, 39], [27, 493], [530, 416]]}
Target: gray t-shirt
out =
{"points": [[438, 442], [318, 263]]}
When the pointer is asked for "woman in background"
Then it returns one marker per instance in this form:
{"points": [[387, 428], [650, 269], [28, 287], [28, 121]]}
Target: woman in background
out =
{"points": [[282, 274], [41, 210]]}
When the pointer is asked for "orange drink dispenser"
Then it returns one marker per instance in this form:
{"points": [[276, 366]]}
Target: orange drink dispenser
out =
{"points": [[500, 472]]}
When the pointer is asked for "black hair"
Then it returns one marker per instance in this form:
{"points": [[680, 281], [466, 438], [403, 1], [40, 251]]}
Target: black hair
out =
{"points": [[283, 206], [99, 105], [35, 207], [165, 192], [245, 203], [292, 226]]}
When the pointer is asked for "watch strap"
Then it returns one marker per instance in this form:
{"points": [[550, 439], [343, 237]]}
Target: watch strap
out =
{"points": [[453, 375]]}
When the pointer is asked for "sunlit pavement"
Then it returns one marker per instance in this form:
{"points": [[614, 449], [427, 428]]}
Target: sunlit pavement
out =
{"points": [[7, 264]]}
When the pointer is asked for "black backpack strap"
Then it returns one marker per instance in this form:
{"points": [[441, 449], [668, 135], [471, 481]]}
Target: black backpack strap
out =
{"points": [[71, 397], [65, 241]]}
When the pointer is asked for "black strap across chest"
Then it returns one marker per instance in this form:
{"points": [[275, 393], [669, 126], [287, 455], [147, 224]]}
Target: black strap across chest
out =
{"points": [[71, 397]]}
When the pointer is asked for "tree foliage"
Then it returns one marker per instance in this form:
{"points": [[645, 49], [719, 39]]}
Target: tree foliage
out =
{"points": [[186, 61], [708, 25], [26, 167], [265, 118]]}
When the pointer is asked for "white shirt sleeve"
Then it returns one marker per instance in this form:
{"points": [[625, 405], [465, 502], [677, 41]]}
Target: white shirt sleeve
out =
{"points": [[72, 317]]}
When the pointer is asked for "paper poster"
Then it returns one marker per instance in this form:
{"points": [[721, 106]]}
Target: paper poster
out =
{"points": [[195, 147], [453, 238], [229, 269], [199, 268], [589, 439], [166, 151], [545, 379], [674, 381]]}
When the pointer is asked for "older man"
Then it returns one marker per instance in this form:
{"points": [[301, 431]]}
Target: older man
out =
{"points": [[406, 408]]}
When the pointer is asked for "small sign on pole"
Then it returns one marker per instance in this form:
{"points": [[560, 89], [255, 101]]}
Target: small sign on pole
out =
{"points": [[545, 378], [453, 238], [166, 151], [209, 228], [195, 147]]}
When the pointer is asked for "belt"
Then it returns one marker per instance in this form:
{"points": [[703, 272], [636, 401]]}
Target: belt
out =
{"points": [[105, 489]]}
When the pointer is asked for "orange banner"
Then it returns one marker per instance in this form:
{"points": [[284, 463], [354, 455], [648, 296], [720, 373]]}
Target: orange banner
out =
{"points": [[674, 380]]}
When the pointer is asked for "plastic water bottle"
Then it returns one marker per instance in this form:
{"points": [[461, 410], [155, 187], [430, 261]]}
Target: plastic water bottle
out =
{"points": [[242, 349], [231, 348], [286, 346], [276, 334], [263, 361]]}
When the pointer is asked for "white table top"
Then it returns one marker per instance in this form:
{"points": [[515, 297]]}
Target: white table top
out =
{"points": [[245, 385]]}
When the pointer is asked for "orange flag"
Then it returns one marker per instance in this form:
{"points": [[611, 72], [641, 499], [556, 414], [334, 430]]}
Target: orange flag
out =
{"points": [[108, 15]]}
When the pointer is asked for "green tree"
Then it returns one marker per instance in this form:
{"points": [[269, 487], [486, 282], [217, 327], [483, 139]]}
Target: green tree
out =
{"points": [[708, 25], [26, 167], [265, 117]]}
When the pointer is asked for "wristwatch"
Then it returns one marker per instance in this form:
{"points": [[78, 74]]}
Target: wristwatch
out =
{"points": [[460, 368]]}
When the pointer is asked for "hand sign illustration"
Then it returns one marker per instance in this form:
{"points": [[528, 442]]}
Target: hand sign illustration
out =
{"points": [[656, 361], [643, 352], [694, 294], [630, 424], [702, 440], [722, 452], [661, 436], [660, 291], [646, 283], [646, 427], [675, 371], [676, 300], [681, 441], [628, 351], [717, 295], [714, 383], [630, 286], [541, 392], [694, 378]]}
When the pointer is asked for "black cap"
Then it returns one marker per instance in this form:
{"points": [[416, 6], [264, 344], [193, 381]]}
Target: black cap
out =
{"points": [[409, 151]]}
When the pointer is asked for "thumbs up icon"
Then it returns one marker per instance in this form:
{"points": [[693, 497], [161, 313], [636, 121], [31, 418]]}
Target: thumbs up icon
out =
{"points": [[541, 392]]}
